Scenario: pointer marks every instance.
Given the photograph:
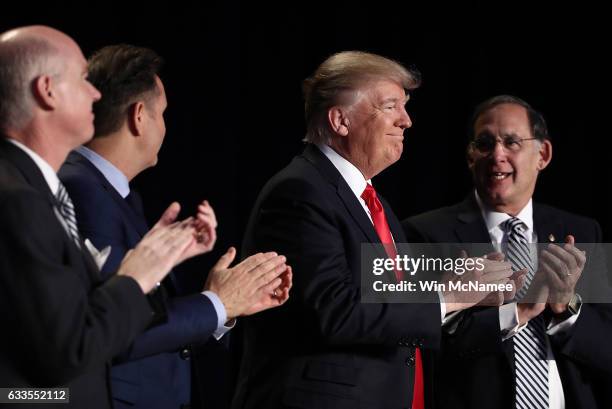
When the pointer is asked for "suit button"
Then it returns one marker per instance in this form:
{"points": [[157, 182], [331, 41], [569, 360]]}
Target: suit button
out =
{"points": [[410, 361], [185, 354]]}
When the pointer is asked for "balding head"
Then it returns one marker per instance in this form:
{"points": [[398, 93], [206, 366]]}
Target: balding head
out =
{"points": [[25, 54]]}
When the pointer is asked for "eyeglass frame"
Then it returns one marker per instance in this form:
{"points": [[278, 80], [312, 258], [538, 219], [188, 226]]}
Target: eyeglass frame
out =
{"points": [[503, 142]]}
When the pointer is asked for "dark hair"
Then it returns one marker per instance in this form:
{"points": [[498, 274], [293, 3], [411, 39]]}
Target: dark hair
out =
{"points": [[537, 123], [123, 74]]}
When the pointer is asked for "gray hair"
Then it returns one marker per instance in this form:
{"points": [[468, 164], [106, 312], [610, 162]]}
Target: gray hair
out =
{"points": [[337, 81], [22, 60]]}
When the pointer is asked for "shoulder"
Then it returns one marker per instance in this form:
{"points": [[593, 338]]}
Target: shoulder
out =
{"points": [[585, 229], [443, 216], [300, 180], [16, 191], [77, 176]]}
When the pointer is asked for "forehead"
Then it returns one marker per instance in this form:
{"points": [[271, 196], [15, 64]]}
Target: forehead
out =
{"points": [[504, 117], [73, 58], [382, 90]]}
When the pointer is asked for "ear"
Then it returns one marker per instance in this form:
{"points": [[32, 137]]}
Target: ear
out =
{"points": [[43, 89], [136, 113], [338, 120], [545, 153], [469, 156]]}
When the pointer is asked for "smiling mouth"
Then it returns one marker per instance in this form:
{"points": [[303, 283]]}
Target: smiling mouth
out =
{"points": [[500, 175]]}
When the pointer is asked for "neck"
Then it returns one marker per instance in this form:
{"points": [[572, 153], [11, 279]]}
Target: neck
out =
{"points": [[512, 209], [117, 149], [50, 149], [343, 149]]}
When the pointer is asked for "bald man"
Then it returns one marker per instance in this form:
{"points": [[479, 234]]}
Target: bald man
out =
{"points": [[61, 324]]}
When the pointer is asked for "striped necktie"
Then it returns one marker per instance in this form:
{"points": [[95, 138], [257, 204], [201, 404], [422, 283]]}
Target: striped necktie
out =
{"points": [[530, 364], [66, 210]]}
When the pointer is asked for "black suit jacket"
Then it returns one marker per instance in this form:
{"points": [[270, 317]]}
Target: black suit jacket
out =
{"points": [[474, 368], [324, 348], [61, 324]]}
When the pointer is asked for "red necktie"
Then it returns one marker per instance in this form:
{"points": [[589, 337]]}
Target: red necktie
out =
{"points": [[380, 224], [384, 233]]}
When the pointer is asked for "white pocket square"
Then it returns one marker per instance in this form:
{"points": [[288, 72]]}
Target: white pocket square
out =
{"points": [[99, 257]]}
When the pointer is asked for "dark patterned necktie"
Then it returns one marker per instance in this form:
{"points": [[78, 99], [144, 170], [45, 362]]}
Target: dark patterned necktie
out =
{"points": [[530, 363], [66, 210]]}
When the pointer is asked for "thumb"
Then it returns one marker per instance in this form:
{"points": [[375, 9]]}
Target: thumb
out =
{"points": [[169, 215], [225, 260]]}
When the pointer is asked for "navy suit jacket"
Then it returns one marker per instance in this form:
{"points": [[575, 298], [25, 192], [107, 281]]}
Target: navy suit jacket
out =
{"points": [[155, 372]]}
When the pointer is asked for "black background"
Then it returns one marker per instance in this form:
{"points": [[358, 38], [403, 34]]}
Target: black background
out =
{"points": [[233, 78]]}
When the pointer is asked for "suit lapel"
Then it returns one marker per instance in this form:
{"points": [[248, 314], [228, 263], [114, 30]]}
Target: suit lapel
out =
{"points": [[547, 228], [394, 224], [35, 178], [471, 227], [331, 174], [27, 168], [135, 219]]}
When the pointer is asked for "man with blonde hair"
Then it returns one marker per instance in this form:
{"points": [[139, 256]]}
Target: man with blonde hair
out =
{"points": [[325, 348]]}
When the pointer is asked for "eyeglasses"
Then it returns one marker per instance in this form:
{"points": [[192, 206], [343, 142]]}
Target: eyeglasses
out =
{"points": [[486, 143]]}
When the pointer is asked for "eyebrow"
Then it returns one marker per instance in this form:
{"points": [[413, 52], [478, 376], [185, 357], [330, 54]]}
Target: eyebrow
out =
{"points": [[395, 99], [511, 135]]}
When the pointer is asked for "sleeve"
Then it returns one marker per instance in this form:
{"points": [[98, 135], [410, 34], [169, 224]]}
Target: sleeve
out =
{"points": [[475, 331], [297, 220], [191, 320], [588, 340], [187, 320], [60, 324]]}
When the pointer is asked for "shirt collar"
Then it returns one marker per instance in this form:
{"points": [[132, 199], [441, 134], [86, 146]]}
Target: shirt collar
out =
{"points": [[46, 169], [114, 176], [493, 219], [353, 176]]}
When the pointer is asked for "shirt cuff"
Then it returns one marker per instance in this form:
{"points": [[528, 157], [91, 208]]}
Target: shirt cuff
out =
{"points": [[442, 306], [221, 315], [560, 327], [508, 320]]}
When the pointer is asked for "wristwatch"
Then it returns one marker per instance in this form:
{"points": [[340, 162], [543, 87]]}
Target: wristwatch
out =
{"points": [[574, 304]]}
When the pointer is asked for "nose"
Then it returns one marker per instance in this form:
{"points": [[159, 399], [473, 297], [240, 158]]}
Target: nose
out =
{"points": [[96, 95], [499, 150], [404, 119]]}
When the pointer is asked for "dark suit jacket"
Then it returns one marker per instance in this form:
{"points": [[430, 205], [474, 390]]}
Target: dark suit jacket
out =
{"points": [[475, 369], [324, 348], [61, 323], [155, 371]]}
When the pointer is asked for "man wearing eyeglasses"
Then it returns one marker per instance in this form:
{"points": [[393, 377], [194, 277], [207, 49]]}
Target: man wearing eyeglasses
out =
{"points": [[540, 352]]}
